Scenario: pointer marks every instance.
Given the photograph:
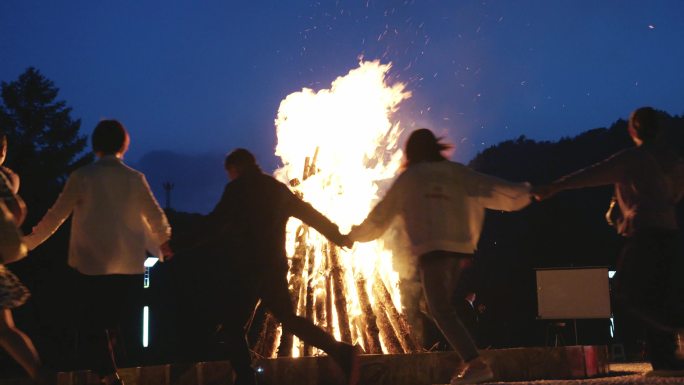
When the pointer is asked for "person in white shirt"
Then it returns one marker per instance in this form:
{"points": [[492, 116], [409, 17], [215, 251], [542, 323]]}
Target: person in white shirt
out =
{"points": [[115, 221], [442, 204]]}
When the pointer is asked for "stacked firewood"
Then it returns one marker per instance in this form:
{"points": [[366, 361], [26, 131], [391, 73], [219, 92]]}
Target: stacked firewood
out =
{"points": [[319, 292]]}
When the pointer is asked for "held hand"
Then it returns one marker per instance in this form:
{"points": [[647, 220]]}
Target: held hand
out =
{"points": [[543, 192], [166, 251], [346, 242]]}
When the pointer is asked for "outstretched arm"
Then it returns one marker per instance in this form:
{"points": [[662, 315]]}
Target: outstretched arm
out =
{"points": [[379, 218], [605, 172], [312, 217], [56, 215], [496, 193]]}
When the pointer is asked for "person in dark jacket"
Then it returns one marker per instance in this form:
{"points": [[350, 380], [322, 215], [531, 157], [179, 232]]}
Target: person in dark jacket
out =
{"points": [[649, 183], [248, 224]]}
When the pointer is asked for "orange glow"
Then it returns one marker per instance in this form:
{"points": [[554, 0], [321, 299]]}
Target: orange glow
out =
{"points": [[346, 131]]}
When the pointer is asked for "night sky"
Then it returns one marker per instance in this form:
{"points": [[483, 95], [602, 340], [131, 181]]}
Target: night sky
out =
{"points": [[192, 80]]}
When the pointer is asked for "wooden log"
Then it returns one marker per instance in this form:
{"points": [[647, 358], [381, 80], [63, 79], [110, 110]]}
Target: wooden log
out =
{"points": [[267, 343], [309, 298], [370, 326], [337, 274], [321, 319], [329, 320], [389, 337], [296, 281], [398, 320]]}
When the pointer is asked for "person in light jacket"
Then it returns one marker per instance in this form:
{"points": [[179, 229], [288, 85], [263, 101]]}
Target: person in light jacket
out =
{"points": [[443, 206], [115, 219]]}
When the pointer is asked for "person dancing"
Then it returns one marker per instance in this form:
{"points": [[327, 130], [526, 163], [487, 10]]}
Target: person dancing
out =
{"points": [[442, 204], [115, 220], [649, 182]]}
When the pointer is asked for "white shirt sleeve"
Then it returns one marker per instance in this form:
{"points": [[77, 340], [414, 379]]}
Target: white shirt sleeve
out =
{"points": [[498, 194], [57, 214], [158, 226]]}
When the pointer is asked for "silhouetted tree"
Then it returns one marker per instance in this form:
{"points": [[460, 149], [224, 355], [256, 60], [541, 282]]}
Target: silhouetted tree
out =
{"points": [[44, 141]]}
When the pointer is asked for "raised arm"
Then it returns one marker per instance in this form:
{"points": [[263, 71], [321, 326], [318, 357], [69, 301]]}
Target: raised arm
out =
{"points": [[57, 214]]}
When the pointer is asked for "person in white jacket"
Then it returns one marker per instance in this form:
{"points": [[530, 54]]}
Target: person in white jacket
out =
{"points": [[442, 204], [115, 221]]}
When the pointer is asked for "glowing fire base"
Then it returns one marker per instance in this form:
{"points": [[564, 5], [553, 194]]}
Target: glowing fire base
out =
{"points": [[518, 364]]}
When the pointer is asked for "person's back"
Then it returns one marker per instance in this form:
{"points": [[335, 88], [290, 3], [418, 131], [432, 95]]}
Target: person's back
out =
{"points": [[260, 214], [443, 205], [110, 208], [649, 188], [249, 225], [435, 204], [115, 220]]}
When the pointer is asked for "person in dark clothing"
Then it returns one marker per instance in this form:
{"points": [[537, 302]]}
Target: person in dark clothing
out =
{"points": [[649, 182], [249, 223]]}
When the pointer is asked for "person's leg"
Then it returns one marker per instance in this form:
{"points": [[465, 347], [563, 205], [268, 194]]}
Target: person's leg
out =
{"points": [[645, 286], [95, 349], [238, 311], [235, 341], [411, 296], [18, 345], [439, 274], [276, 297]]}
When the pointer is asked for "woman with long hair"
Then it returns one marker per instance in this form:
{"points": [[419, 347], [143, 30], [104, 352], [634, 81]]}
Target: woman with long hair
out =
{"points": [[443, 205]]}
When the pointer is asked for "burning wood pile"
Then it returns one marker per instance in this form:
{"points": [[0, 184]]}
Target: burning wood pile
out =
{"points": [[353, 294], [318, 286]]}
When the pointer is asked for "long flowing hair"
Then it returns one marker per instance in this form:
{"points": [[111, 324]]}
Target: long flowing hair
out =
{"points": [[424, 146]]}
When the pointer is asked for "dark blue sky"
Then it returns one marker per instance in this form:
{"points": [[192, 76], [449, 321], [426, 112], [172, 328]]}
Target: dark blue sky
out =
{"points": [[198, 78]]}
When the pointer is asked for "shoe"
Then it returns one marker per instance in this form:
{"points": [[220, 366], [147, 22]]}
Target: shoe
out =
{"points": [[349, 360], [474, 372]]}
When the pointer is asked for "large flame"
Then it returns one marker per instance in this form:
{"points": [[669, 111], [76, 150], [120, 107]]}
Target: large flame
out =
{"points": [[337, 146]]}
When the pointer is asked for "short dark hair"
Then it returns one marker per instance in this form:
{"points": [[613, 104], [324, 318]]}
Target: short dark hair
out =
{"points": [[648, 127], [424, 146], [242, 159], [109, 137]]}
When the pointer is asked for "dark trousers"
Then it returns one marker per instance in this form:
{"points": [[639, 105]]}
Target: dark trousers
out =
{"points": [[272, 289], [107, 319], [650, 288], [275, 295], [439, 274]]}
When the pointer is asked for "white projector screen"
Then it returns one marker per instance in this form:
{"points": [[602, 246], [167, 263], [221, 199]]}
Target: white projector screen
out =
{"points": [[573, 293]]}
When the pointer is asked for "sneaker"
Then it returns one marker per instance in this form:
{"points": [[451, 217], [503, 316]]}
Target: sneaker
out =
{"points": [[474, 372], [349, 360]]}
